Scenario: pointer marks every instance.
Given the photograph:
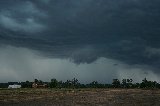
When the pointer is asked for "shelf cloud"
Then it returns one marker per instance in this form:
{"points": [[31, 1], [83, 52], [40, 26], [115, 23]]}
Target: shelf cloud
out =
{"points": [[79, 34]]}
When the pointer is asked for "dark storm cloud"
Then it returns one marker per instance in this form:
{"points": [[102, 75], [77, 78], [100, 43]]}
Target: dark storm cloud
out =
{"points": [[84, 30]]}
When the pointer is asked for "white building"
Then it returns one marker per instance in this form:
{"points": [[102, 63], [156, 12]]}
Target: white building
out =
{"points": [[14, 86]]}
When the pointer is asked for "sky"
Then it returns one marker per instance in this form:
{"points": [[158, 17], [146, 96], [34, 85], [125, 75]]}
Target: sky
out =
{"points": [[87, 39]]}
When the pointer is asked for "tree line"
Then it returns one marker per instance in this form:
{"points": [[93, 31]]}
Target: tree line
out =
{"points": [[74, 83]]}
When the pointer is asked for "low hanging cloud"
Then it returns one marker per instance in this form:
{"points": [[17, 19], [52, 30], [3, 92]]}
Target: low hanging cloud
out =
{"points": [[21, 64], [81, 33]]}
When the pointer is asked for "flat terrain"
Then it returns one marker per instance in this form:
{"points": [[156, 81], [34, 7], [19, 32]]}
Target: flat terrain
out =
{"points": [[79, 97]]}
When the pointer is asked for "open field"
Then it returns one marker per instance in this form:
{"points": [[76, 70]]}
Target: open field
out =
{"points": [[79, 97]]}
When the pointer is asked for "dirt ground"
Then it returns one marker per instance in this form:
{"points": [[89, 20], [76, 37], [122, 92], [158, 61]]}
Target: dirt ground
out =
{"points": [[79, 97]]}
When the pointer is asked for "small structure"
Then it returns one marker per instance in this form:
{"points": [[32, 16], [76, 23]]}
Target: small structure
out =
{"points": [[35, 85], [14, 86]]}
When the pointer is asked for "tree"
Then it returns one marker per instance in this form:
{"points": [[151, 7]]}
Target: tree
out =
{"points": [[94, 84], [26, 84], [36, 81], [144, 83], [60, 84], [40, 82], [124, 83], [127, 83], [116, 83], [75, 83], [68, 84], [53, 83], [148, 84]]}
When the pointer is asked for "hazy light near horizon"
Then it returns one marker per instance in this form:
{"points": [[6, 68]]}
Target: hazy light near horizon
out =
{"points": [[21, 64]]}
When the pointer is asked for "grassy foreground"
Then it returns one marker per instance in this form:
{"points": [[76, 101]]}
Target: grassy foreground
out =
{"points": [[79, 97]]}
